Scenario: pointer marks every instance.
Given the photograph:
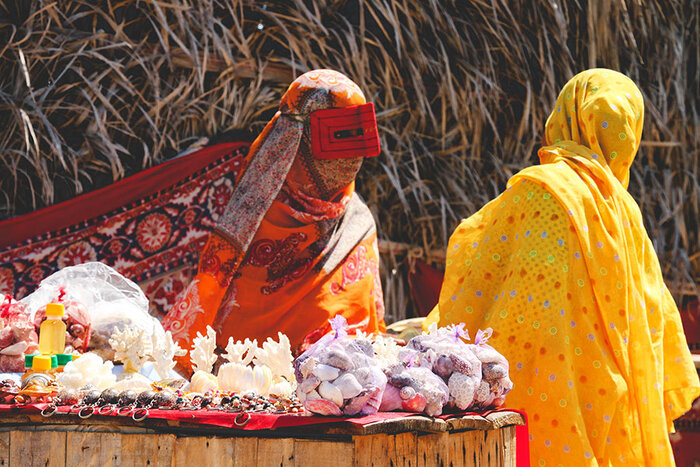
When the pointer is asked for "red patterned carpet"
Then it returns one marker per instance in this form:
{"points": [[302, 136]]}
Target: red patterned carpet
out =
{"points": [[150, 227]]}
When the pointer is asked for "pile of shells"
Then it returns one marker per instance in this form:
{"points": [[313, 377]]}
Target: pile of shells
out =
{"points": [[340, 378]]}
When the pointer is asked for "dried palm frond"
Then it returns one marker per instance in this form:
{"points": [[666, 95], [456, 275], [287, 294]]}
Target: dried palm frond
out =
{"points": [[94, 91]]}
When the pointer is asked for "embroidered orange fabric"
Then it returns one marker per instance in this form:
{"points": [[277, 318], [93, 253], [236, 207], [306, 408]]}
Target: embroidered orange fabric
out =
{"points": [[296, 245]]}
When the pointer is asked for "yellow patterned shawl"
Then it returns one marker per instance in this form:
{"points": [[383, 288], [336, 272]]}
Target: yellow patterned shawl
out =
{"points": [[560, 265]]}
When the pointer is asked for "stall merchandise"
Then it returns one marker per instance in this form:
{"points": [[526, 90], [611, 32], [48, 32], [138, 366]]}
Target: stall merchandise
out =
{"points": [[348, 383]]}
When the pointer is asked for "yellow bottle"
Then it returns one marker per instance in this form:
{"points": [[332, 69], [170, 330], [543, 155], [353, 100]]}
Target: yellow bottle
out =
{"points": [[52, 333], [40, 367]]}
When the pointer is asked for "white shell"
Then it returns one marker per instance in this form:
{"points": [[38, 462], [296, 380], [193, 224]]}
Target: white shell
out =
{"points": [[330, 392], [262, 380], [348, 385], [241, 378], [307, 367], [232, 376], [309, 384], [134, 382], [282, 388], [203, 382], [313, 395], [17, 348], [326, 372]]}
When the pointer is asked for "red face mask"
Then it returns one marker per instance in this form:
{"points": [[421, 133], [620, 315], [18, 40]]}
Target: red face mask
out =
{"points": [[344, 133]]}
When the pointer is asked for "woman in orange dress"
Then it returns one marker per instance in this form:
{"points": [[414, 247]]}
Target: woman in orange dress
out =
{"points": [[561, 267], [295, 245]]}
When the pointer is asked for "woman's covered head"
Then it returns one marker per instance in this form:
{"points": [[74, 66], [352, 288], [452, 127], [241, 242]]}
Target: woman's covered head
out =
{"points": [[312, 91], [604, 111]]}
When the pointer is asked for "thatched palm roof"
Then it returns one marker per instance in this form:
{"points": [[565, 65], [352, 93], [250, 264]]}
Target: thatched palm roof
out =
{"points": [[92, 91]]}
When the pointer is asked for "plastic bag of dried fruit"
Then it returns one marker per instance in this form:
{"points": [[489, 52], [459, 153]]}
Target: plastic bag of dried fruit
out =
{"points": [[339, 374]]}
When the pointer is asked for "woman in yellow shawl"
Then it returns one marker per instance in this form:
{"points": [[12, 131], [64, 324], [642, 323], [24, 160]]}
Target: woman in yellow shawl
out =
{"points": [[561, 267]]}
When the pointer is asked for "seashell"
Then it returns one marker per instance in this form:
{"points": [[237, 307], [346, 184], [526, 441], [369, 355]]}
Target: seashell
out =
{"points": [[134, 381], [362, 346], [172, 383], [203, 382], [355, 404], [322, 407], [304, 366], [302, 396], [417, 342], [330, 392], [482, 393], [262, 380], [415, 404], [326, 373], [338, 359], [372, 403], [363, 375], [467, 367], [348, 385], [309, 384], [8, 388], [313, 395], [282, 388], [443, 367], [366, 403], [403, 380], [407, 393], [17, 348], [233, 377], [493, 371], [391, 400]]}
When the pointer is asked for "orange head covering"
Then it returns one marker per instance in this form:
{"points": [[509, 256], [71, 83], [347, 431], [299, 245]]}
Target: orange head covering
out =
{"points": [[293, 222]]}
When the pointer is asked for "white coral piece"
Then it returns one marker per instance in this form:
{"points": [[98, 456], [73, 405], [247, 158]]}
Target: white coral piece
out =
{"points": [[241, 352], [132, 347], [462, 390], [203, 354], [164, 352], [277, 356], [87, 369], [386, 351]]}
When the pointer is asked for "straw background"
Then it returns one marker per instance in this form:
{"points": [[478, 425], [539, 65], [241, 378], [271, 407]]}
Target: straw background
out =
{"points": [[93, 91]]}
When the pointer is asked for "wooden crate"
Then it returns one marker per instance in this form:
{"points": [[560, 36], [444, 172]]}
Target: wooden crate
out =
{"points": [[29, 440]]}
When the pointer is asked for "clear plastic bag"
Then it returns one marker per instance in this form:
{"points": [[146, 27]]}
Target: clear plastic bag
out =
{"points": [[17, 335], [414, 389], [110, 300], [495, 382], [444, 352], [339, 374]]}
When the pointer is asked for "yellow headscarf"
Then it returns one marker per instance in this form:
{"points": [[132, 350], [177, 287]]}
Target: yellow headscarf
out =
{"points": [[561, 267]]}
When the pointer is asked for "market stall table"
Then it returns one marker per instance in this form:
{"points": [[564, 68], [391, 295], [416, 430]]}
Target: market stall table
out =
{"points": [[391, 439]]}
